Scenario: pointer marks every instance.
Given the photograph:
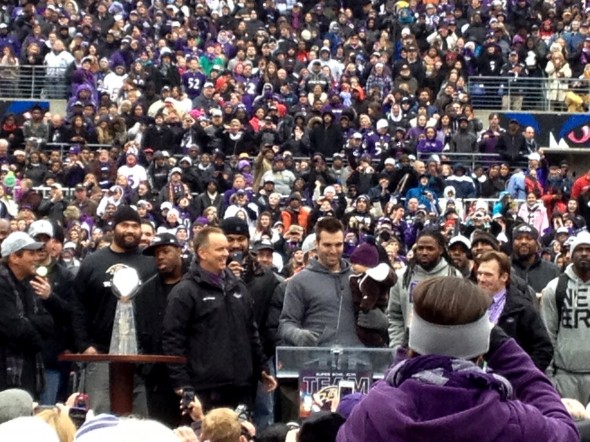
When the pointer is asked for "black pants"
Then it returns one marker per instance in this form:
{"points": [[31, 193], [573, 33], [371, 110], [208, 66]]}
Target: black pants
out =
{"points": [[228, 396], [164, 406]]}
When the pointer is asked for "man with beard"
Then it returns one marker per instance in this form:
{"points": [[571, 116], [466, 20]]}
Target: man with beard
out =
{"points": [[430, 259], [151, 306], [565, 312], [512, 310], [526, 259], [95, 304], [261, 283]]}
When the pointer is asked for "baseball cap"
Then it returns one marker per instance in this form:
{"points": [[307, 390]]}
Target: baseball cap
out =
{"points": [[161, 239], [525, 229], [460, 239], [264, 244], [389, 161], [17, 241], [309, 243], [41, 227]]}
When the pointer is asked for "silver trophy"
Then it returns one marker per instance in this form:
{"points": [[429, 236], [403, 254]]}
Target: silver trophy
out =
{"points": [[125, 284]]}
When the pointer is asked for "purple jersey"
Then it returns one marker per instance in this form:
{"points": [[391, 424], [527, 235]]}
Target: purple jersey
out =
{"points": [[193, 82]]}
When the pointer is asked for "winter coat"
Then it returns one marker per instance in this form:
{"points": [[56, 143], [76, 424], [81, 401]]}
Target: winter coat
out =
{"points": [[21, 331], [521, 321], [213, 325], [538, 274], [402, 408]]}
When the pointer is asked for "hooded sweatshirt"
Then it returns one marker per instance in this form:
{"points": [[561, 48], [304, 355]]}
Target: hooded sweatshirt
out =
{"points": [[570, 333], [320, 301], [399, 310]]}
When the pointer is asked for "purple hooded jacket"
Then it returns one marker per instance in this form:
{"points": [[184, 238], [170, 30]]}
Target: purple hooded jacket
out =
{"points": [[417, 411]]}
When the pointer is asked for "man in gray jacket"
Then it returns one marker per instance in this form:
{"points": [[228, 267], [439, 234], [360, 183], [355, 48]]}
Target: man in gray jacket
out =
{"points": [[430, 259], [317, 311], [567, 319]]}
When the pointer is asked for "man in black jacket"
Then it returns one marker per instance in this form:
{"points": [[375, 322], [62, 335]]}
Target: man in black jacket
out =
{"points": [[513, 310], [210, 320], [526, 260], [151, 305], [24, 323], [326, 138], [261, 283], [58, 303]]}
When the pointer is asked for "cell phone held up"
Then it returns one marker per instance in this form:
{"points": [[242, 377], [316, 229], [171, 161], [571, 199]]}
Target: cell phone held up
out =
{"points": [[80, 409], [236, 256], [188, 395]]}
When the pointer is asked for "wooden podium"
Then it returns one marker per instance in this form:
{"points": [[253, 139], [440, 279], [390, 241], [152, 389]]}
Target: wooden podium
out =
{"points": [[121, 371]]}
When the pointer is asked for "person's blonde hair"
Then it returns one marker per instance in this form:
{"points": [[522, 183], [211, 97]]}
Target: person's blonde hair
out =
{"points": [[221, 425], [60, 421]]}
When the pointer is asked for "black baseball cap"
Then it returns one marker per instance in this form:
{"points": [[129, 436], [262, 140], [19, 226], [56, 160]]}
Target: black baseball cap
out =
{"points": [[161, 239]]}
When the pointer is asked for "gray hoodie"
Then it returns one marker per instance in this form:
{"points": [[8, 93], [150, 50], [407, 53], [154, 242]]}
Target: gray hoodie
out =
{"points": [[399, 310], [321, 302], [570, 337]]}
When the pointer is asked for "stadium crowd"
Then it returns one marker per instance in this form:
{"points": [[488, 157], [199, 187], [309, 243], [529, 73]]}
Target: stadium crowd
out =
{"points": [[308, 167]]}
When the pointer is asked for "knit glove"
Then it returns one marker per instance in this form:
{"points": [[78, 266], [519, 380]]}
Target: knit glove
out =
{"points": [[374, 319], [304, 338]]}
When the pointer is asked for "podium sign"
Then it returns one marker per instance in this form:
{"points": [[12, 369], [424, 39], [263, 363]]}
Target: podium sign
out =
{"points": [[323, 390], [326, 374]]}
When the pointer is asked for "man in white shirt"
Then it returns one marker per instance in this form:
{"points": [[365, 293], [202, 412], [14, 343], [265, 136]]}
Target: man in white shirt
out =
{"points": [[134, 172]]}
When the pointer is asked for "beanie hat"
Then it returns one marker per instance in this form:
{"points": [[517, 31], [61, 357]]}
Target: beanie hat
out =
{"points": [[483, 236], [15, 403], [235, 226], [126, 213], [582, 238], [365, 255]]}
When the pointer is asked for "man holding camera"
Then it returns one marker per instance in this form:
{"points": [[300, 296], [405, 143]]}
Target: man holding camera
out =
{"points": [[261, 283]]}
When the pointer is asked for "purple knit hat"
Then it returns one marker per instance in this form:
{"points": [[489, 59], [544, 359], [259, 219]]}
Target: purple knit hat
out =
{"points": [[365, 255]]}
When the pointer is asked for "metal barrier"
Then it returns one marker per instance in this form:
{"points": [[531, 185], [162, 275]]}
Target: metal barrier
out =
{"points": [[33, 82], [471, 159], [523, 93]]}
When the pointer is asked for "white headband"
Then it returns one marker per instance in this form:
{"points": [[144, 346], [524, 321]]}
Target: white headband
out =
{"points": [[465, 341]]}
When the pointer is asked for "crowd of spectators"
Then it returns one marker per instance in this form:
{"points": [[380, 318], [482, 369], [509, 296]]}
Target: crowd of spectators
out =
{"points": [[281, 112]]}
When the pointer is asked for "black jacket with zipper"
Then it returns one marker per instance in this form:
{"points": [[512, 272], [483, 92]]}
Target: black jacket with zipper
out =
{"points": [[521, 320], [213, 325]]}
